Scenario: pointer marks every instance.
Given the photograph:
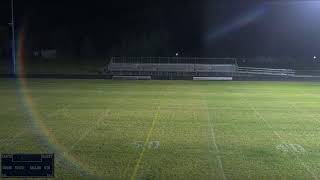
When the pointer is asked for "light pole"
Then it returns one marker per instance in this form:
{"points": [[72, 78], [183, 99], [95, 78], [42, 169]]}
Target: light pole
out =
{"points": [[13, 44]]}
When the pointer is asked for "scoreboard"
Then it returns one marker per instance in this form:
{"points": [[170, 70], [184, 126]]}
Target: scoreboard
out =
{"points": [[27, 165]]}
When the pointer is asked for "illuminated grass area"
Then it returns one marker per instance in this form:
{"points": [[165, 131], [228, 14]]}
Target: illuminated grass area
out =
{"points": [[166, 129]]}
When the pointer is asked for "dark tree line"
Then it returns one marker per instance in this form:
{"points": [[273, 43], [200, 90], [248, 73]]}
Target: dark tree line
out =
{"points": [[123, 30]]}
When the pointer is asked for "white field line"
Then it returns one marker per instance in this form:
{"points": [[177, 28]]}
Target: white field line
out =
{"points": [[137, 166], [294, 106], [257, 114], [88, 131], [209, 148], [154, 120], [218, 157], [243, 155]]}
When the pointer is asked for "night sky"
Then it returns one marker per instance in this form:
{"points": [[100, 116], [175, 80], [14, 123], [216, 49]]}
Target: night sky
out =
{"points": [[196, 28]]}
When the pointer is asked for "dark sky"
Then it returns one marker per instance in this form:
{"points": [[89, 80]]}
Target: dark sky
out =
{"points": [[202, 27]]}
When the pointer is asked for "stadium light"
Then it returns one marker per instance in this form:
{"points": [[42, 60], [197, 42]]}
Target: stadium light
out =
{"points": [[314, 57]]}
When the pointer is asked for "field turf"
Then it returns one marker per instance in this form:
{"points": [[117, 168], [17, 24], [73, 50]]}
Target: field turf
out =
{"points": [[165, 129]]}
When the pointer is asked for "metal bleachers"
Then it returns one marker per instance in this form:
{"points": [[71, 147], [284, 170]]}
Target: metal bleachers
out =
{"points": [[266, 71], [187, 67], [170, 67]]}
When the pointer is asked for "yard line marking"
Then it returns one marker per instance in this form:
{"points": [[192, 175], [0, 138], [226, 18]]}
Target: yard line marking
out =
{"points": [[104, 114], [293, 106], [136, 168], [257, 113], [307, 168], [209, 154], [218, 157]]}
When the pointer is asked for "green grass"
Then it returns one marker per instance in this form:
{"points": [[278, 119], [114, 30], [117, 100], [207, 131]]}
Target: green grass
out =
{"points": [[204, 130]]}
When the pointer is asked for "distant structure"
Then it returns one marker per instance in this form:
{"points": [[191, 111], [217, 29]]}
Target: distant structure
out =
{"points": [[46, 53], [185, 68]]}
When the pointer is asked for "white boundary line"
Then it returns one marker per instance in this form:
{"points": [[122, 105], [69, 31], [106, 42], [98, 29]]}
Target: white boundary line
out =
{"points": [[144, 148], [156, 118], [213, 138], [257, 114], [88, 131]]}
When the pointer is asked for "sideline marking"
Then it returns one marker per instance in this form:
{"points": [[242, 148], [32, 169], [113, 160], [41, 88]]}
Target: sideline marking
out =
{"points": [[136, 168], [218, 157]]}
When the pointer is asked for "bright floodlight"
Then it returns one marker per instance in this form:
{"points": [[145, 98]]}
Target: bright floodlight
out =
{"points": [[314, 57]]}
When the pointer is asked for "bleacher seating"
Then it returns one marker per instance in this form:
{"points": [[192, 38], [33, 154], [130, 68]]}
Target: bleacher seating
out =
{"points": [[266, 71], [187, 67], [165, 67]]}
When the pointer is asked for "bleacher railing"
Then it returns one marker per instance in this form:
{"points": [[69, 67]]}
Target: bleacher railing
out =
{"points": [[265, 71], [174, 60], [188, 65]]}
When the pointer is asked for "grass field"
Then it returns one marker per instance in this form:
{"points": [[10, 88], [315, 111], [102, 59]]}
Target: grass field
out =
{"points": [[165, 129]]}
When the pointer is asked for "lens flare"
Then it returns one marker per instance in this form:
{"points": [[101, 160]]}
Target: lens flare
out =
{"points": [[238, 23], [47, 138]]}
